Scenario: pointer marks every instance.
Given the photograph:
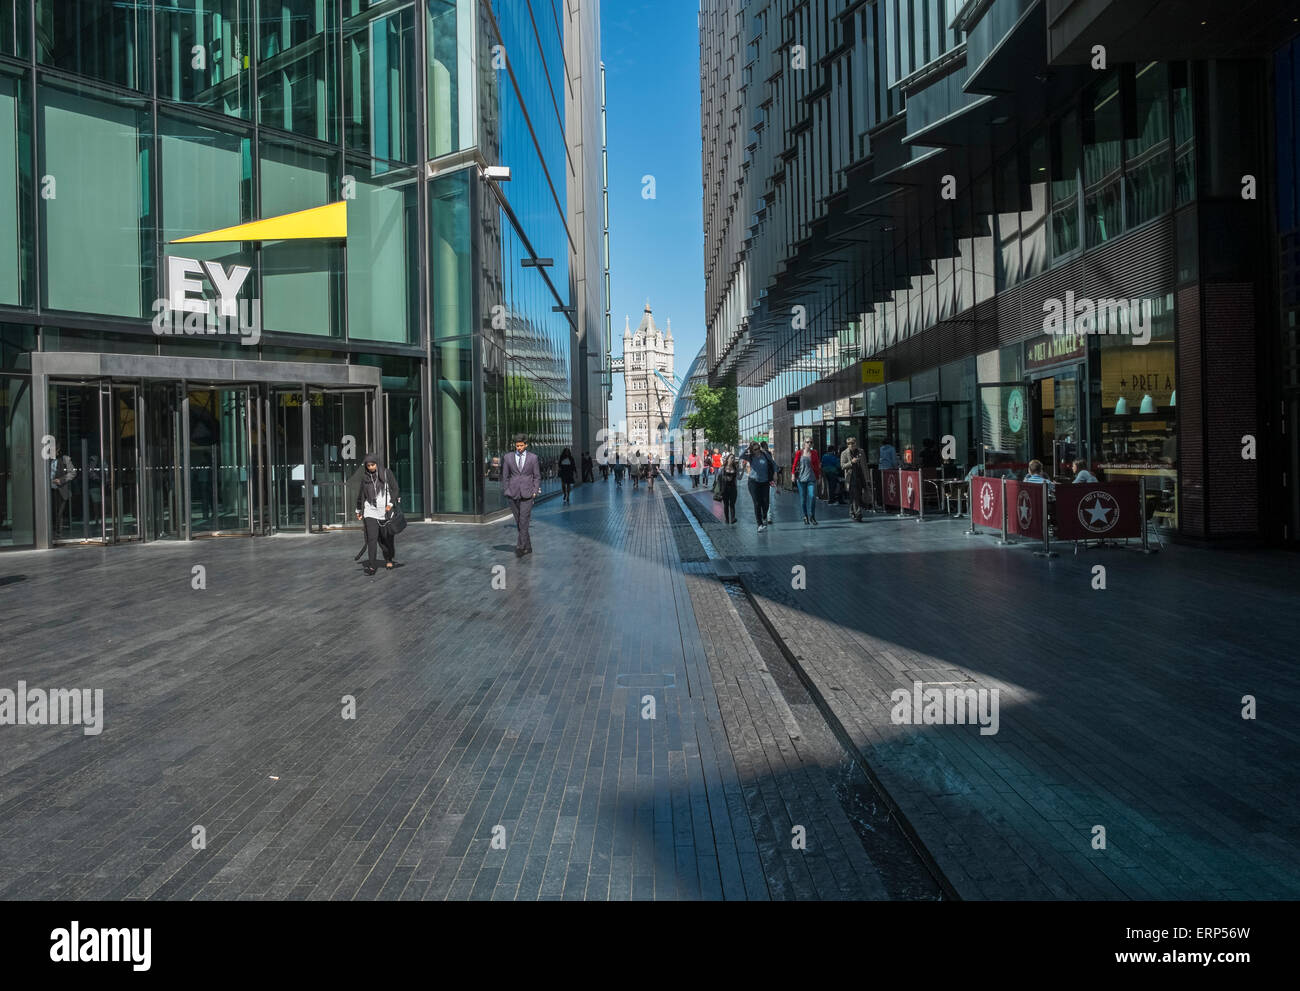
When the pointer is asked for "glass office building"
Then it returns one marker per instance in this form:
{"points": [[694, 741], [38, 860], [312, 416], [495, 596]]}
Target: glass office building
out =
{"points": [[443, 322], [930, 218]]}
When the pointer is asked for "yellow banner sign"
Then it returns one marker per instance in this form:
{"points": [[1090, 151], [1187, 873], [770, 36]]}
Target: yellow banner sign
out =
{"points": [[873, 372]]}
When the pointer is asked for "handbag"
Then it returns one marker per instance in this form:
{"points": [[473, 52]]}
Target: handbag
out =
{"points": [[395, 520]]}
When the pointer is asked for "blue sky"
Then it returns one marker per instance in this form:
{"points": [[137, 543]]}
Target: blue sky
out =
{"points": [[651, 50]]}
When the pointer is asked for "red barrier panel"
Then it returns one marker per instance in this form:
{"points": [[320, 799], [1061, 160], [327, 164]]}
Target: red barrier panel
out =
{"points": [[1098, 511], [986, 503], [1025, 509], [910, 485], [889, 488]]}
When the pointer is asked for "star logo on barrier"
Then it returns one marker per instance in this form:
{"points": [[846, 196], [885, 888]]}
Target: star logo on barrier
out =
{"points": [[893, 486], [1098, 512], [986, 500], [1025, 510], [909, 490]]}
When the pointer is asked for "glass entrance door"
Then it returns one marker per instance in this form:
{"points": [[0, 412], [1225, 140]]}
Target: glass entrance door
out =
{"points": [[75, 483], [1057, 440], [340, 435], [93, 473], [219, 462], [163, 485], [120, 468], [288, 466]]}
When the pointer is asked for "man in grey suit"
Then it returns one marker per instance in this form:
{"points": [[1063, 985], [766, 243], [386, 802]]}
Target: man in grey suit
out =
{"points": [[521, 480]]}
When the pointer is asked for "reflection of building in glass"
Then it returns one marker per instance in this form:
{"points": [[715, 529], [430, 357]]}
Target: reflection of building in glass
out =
{"points": [[889, 222], [458, 310], [697, 373]]}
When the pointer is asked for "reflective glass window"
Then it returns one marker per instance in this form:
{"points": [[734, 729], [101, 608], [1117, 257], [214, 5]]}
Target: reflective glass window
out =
{"points": [[450, 80], [97, 231], [379, 85], [381, 258], [1149, 182], [301, 280], [101, 40], [1102, 159], [205, 184], [451, 277], [12, 242], [1065, 184], [16, 462], [204, 54], [296, 72], [13, 27]]}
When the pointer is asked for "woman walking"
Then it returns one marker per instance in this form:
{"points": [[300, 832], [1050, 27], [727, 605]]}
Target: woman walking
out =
{"points": [[807, 472], [728, 476], [567, 467], [375, 501]]}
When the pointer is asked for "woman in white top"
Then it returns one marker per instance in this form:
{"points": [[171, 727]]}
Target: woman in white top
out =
{"points": [[375, 501]]}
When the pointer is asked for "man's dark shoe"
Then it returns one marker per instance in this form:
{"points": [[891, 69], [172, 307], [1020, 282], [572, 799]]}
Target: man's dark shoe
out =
{"points": [[370, 569], [519, 552], [814, 521], [528, 550]]}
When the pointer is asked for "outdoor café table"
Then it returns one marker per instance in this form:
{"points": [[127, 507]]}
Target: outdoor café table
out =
{"points": [[955, 488]]}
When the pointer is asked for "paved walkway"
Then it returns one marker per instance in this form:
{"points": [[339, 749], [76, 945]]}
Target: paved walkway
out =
{"points": [[481, 714], [1120, 708]]}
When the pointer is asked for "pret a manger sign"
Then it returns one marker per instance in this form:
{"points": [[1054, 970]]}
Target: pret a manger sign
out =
{"points": [[188, 309]]}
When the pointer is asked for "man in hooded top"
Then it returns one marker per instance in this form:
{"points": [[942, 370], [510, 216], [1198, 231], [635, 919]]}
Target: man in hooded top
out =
{"points": [[376, 497]]}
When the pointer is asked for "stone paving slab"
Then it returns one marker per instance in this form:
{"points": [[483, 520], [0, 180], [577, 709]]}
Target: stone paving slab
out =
{"points": [[1119, 707], [479, 713]]}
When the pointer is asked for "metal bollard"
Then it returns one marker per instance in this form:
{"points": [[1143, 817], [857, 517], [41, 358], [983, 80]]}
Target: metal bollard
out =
{"points": [[971, 506], [1004, 541], [1047, 540]]}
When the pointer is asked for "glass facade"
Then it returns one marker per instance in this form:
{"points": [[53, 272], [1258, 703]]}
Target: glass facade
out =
{"points": [[1092, 200], [131, 125]]}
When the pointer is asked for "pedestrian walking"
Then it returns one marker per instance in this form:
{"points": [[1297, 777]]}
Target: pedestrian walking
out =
{"points": [[618, 470], [693, 468], [807, 471], [762, 470], [652, 470], [521, 478], [728, 480], [567, 468], [831, 472], [853, 464], [376, 497], [636, 470], [588, 468], [776, 480]]}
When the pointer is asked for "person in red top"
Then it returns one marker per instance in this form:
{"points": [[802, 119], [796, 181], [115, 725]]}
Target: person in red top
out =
{"points": [[693, 469], [807, 472], [717, 460]]}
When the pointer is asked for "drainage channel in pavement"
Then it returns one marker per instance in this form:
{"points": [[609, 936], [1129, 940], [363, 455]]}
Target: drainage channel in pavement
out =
{"points": [[907, 873]]}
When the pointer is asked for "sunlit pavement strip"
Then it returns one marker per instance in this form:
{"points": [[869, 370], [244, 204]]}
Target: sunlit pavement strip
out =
{"points": [[1120, 708], [482, 714]]}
